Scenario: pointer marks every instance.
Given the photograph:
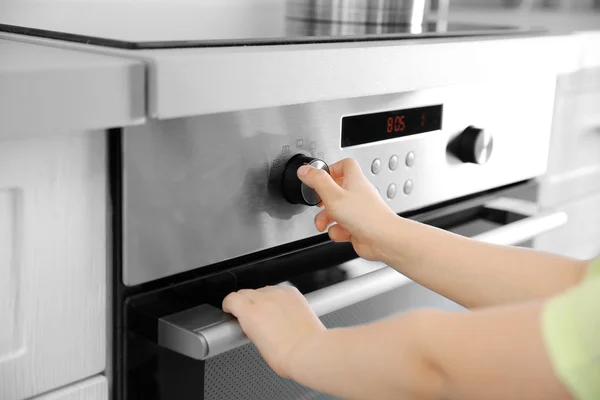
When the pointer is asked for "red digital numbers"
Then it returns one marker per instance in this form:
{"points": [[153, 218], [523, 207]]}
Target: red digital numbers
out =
{"points": [[396, 124]]}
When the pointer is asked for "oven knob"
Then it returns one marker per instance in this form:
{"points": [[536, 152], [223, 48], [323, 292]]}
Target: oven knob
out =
{"points": [[293, 189], [474, 145]]}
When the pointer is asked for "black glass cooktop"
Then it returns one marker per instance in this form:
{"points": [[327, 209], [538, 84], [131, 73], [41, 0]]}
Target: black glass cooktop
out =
{"points": [[206, 23]]}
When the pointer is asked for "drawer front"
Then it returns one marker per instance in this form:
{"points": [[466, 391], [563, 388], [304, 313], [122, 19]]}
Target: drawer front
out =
{"points": [[580, 237]]}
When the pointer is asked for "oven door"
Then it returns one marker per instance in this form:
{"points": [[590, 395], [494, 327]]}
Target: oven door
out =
{"points": [[199, 352]]}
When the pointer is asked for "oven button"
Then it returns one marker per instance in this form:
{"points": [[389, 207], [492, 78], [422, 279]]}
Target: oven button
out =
{"points": [[391, 191], [294, 191], [393, 163], [408, 187], [410, 159], [474, 145], [376, 166]]}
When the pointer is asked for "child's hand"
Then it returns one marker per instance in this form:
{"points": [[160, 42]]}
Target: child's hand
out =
{"points": [[278, 320], [353, 204]]}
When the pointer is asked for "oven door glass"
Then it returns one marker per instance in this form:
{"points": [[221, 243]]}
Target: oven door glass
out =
{"points": [[200, 352]]}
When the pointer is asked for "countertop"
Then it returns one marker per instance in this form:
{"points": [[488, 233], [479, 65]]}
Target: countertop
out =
{"points": [[583, 27], [47, 90], [558, 22]]}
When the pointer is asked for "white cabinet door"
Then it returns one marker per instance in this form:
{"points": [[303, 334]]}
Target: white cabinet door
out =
{"points": [[52, 262], [91, 389], [574, 156]]}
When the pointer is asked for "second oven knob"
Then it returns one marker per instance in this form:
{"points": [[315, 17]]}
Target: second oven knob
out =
{"points": [[474, 145], [294, 190]]}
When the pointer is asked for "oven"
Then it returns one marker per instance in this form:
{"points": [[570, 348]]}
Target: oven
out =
{"points": [[180, 345], [450, 121], [202, 208]]}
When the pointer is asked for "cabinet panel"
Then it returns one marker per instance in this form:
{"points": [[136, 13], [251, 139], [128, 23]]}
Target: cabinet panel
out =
{"points": [[91, 389], [574, 159], [580, 237], [581, 81], [576, 137], [12, 325], [52, 262]]}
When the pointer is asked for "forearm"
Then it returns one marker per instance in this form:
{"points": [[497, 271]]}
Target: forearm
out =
{"points": [[383, 360], [476, 274], [497, 353]]}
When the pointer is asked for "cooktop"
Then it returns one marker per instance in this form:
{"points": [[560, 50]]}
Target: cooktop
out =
{"points": [[153, 24]]}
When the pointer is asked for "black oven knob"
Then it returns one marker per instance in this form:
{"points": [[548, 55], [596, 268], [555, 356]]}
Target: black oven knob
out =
{"points": [[293, 189], [474, 145]]}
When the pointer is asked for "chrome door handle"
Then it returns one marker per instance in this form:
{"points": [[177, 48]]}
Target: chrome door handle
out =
{"points": [[534, 224], [204, 331]]}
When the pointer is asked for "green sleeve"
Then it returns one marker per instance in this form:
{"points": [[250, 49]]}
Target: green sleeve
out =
{"points": [[571, 329]]}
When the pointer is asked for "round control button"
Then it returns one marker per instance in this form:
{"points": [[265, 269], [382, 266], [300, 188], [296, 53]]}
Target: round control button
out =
{"points": [[393, 163], [410, 159], [294, 190], [391, 191], [473, 145], [376, 166], [408, 187]]}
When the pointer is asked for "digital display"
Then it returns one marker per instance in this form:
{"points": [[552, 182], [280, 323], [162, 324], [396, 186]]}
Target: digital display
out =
{"points": [[370, 128]]}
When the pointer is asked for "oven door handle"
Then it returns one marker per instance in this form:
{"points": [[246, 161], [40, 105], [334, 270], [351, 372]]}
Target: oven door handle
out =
{"points": [[204, 331], [532, 225]]}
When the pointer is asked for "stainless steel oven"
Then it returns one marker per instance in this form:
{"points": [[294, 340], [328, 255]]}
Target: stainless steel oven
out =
{"points": [[450, 121], [180, 345], [203, 212]]}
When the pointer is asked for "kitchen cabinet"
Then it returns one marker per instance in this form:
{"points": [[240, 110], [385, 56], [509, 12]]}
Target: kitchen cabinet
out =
{"points": [[55, 106], [572, 182], [91, 389], [53, 262], [574, 158]]}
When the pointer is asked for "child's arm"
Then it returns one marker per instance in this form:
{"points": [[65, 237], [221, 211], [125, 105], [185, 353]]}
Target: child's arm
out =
{"points": [[493, 354], [476, 274], [470, 273]]}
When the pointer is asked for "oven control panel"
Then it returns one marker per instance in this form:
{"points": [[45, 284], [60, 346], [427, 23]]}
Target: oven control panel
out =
{"points": [[201, 190], [473, 145]]}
